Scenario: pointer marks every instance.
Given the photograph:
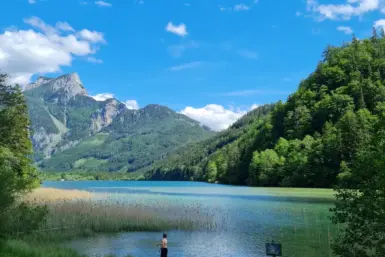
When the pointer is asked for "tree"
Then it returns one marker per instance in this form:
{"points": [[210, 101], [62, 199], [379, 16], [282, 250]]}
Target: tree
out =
{"points": [[211, 172], [361, 204], [360, 195], [265, 168], [374, 35], [17, 175]]}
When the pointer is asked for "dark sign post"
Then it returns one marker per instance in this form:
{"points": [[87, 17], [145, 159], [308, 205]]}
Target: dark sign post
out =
{"points": [[273, 249]]}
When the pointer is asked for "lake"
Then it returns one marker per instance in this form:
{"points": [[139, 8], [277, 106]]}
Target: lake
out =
{"points": [[247, 217]]}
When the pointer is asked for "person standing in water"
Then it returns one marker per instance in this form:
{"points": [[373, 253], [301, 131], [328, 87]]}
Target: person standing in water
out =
{"points": [[163, 249]]}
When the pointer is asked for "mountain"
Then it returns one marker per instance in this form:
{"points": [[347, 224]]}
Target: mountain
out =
{"points": [[72, 131], [313, 139]]}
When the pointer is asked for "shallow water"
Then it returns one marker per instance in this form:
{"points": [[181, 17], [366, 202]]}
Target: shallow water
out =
{"points": [[248, 218]]}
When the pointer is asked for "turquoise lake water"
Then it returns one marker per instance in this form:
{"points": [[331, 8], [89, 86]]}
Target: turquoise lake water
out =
{"points": [[249, 218]]}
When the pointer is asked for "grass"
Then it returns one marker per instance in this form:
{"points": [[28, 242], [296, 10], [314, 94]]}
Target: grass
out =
{"points": [[51, 194], [311, 235], [18, 248], [74, 213]]}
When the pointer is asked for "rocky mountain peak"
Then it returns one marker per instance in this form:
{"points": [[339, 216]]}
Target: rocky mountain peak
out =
{"points": [[40, 81], [70, 84], [63, 87]]}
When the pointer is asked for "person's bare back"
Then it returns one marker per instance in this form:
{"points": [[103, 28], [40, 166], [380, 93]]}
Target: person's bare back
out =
{"points": [[164, 250], [164, 243]]}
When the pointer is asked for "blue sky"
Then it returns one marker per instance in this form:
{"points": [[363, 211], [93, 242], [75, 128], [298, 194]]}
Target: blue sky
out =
{"points": [[217, 57]]}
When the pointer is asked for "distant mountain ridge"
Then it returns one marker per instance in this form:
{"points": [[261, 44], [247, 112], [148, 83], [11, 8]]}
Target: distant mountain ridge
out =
{"points": [[64, 119]]}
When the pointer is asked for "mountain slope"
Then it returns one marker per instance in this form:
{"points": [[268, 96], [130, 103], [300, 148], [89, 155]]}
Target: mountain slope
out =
{"points": [[71, 130], [189, 162], [314, 138]]}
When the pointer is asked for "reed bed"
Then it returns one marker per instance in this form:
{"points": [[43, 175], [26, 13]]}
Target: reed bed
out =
{"points": [[73, 213], [310, 232], [52, 194], [17, 248]]}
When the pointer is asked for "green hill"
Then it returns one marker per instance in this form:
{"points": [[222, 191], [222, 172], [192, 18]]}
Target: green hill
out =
{"points": [[309, 141], [189, 162], [72, 131]]}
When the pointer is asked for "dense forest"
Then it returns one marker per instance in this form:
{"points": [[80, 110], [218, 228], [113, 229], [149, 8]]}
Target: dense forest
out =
{"points": [[311, 140]]}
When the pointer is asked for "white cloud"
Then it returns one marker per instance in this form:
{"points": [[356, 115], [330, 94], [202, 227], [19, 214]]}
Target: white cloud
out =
{"points": [[342, 11], [346, 30], [24, 53], [64, 26], [248, 54], [254, 106], [380, 24], [132, 104], [32, 1], [103, 97], [92, 36], [215, 116], [103, 4], [241, 7], [184, 66], [238, 7], [94, 60], [40, 24], [178, 50], [179, 30]]}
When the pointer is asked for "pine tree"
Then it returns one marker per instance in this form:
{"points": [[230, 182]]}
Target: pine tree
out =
{"points": [[382, 33], [374, 35]]}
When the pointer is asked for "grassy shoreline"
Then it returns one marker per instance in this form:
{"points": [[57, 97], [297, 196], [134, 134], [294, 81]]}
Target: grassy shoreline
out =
{"points": [[81, 213], [90, 176], [76, 213]]}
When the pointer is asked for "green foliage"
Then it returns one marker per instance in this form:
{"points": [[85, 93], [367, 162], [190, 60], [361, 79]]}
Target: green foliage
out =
{"points": [[264, 166], [191, 162], [16, 173], [18, 248], [361, 200], [84, 175], [312, 140]]}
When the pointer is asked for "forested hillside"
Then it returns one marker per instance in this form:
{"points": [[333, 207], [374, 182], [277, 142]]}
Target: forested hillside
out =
{"points": [[313, 138], [189, 162]]}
